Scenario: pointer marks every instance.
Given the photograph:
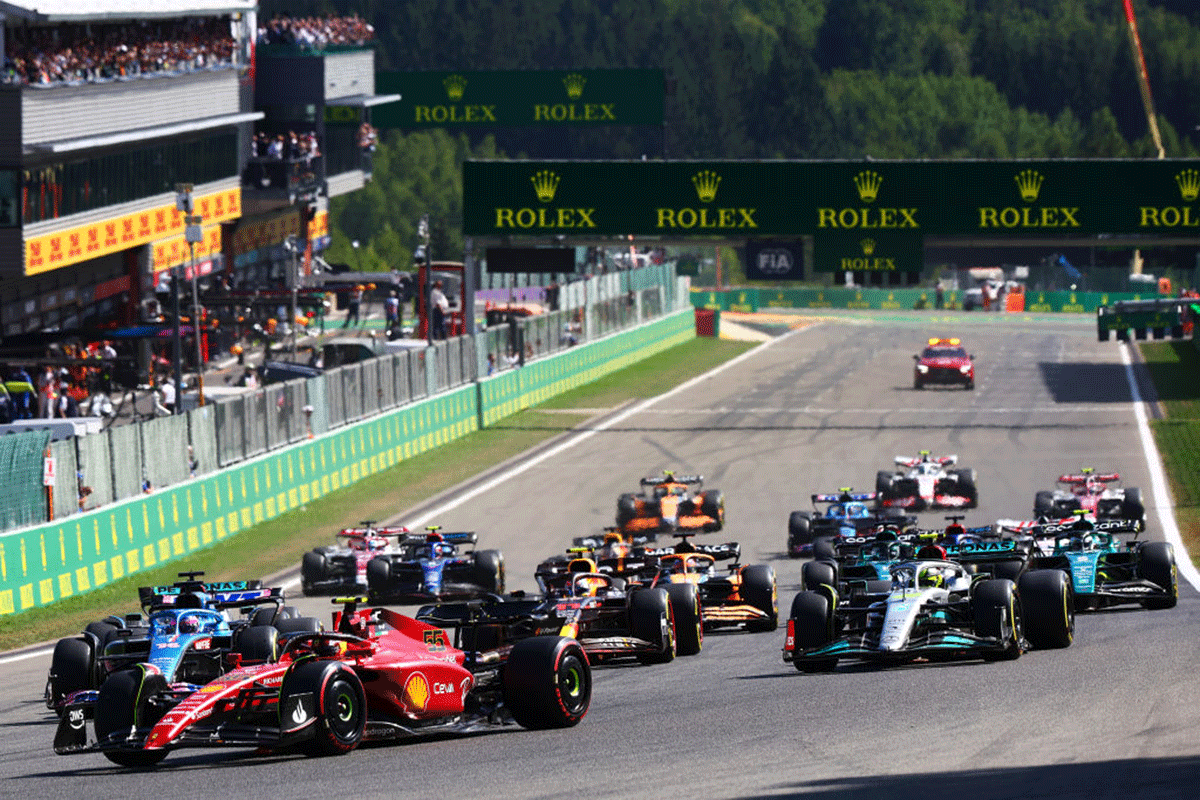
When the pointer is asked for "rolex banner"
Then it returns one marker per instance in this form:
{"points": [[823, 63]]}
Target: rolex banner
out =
{"points": [[868, 252], [851, 200], [774, 260], [535, 97]]}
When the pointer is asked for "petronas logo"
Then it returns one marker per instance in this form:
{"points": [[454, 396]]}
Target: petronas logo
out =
{"points": [[455, 85], [1189, 184], [868, 182], [868, 246], [1029, 181], [545, 183], [574, 83], [706, 182]]}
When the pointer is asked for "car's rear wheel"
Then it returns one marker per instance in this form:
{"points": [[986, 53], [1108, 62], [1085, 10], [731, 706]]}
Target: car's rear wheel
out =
{"points": [[1157, 565], [997, 612], [1043, 504], [689, 618], [125, 705], [650, 620], [313, 569], [488, 572], [547, 683], [713, 505], [824, 549], [799, 531], [817, 573], [812, 627], [759, 590], [379, 575], [1049, 608], [1131, 505], [72, 668], [258, 644], [626, 508]]}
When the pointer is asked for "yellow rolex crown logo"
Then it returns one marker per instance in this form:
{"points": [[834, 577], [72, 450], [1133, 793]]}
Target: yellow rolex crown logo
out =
{"points": [[545, 183], [574, 83], [868, 246], [868, 182], [1189, 184], [455, 86], [706, 182], [1029, 181]]}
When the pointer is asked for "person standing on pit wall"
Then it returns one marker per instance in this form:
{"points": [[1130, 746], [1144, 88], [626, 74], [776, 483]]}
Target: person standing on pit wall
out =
{"points": [[391, 311], [939, 297], [439, 306], [352, 304]]}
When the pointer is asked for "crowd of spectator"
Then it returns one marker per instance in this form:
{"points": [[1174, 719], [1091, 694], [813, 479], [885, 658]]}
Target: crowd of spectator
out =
{"points": [[98, 52], [315, 33], [291, 146]]}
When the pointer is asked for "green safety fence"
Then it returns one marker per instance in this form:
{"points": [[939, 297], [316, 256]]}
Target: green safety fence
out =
{"points": [[59, 559], [22, 458], [756, 299]]}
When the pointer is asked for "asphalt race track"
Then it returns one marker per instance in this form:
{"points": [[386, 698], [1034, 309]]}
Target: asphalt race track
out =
{"points": [[1116, 715]]}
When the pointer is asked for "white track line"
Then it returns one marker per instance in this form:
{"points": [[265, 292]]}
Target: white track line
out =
{"points": [[1158, 480]]}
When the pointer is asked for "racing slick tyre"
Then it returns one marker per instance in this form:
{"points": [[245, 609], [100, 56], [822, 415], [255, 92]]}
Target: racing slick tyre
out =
{"points": [[883, 483], [993, 602], [966, 485], [298, 625], [815, 573], [488, 571], [627, 508], [72, 668], [759, 590], [1131, 505], [258, 644], [341, 706], [712, 504], [124, 705], [812, 623], [313, 569], [824, 549], [799, 531], [547, 683], [689, 618], [379, 576], [1049, 608], [650, 619], [918, 384], [1043, 504], [1009, 569], [1157, 565]]}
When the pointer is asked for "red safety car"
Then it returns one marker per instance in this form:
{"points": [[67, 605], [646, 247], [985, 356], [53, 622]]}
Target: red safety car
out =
{"points": [[944, 361]]}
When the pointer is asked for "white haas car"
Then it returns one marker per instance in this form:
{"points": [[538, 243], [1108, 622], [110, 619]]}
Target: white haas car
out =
{"points": [[926, 482], [934, 610]]}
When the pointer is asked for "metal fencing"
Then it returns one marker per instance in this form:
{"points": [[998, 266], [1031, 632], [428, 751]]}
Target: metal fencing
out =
{"points": [[122, 462]]}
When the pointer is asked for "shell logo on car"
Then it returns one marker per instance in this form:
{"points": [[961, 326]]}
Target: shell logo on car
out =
{"points": [[416, 692]]}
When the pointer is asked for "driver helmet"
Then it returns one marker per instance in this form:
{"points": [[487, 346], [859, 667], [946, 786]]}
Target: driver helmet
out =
{"points": [[932, 576], [189, 623], [932, 551]]}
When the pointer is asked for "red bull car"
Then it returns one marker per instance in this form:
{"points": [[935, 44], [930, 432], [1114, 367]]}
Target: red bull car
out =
{"points": [[669, 503], [341, 568], [927, 482], [377, 675], [1099, 493], [944, 361]]}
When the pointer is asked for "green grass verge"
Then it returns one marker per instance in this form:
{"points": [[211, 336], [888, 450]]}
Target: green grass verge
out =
{"points": [[1175, 369], [279, 543]]}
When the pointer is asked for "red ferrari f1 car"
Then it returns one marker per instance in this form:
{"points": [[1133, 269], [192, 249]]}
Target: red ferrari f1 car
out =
{"points": [[377, 675]]}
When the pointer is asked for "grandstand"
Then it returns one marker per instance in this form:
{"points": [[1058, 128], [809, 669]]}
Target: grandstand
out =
{"points": [[108, 105]]}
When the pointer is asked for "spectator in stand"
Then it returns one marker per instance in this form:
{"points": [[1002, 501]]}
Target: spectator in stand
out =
{"points": [[367, 137], [73, 53], [316, 33]]}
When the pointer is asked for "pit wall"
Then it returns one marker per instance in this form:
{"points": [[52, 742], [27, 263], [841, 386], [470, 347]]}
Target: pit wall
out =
{"points": [[756, 299], [57, 560]]}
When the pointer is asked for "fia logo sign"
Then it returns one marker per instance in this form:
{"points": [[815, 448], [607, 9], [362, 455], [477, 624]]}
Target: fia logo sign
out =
{"points": [[775, 261]]}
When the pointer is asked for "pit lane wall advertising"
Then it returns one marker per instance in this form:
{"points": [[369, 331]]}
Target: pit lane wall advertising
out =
{"points": [[754, 298], [41, 565]]}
